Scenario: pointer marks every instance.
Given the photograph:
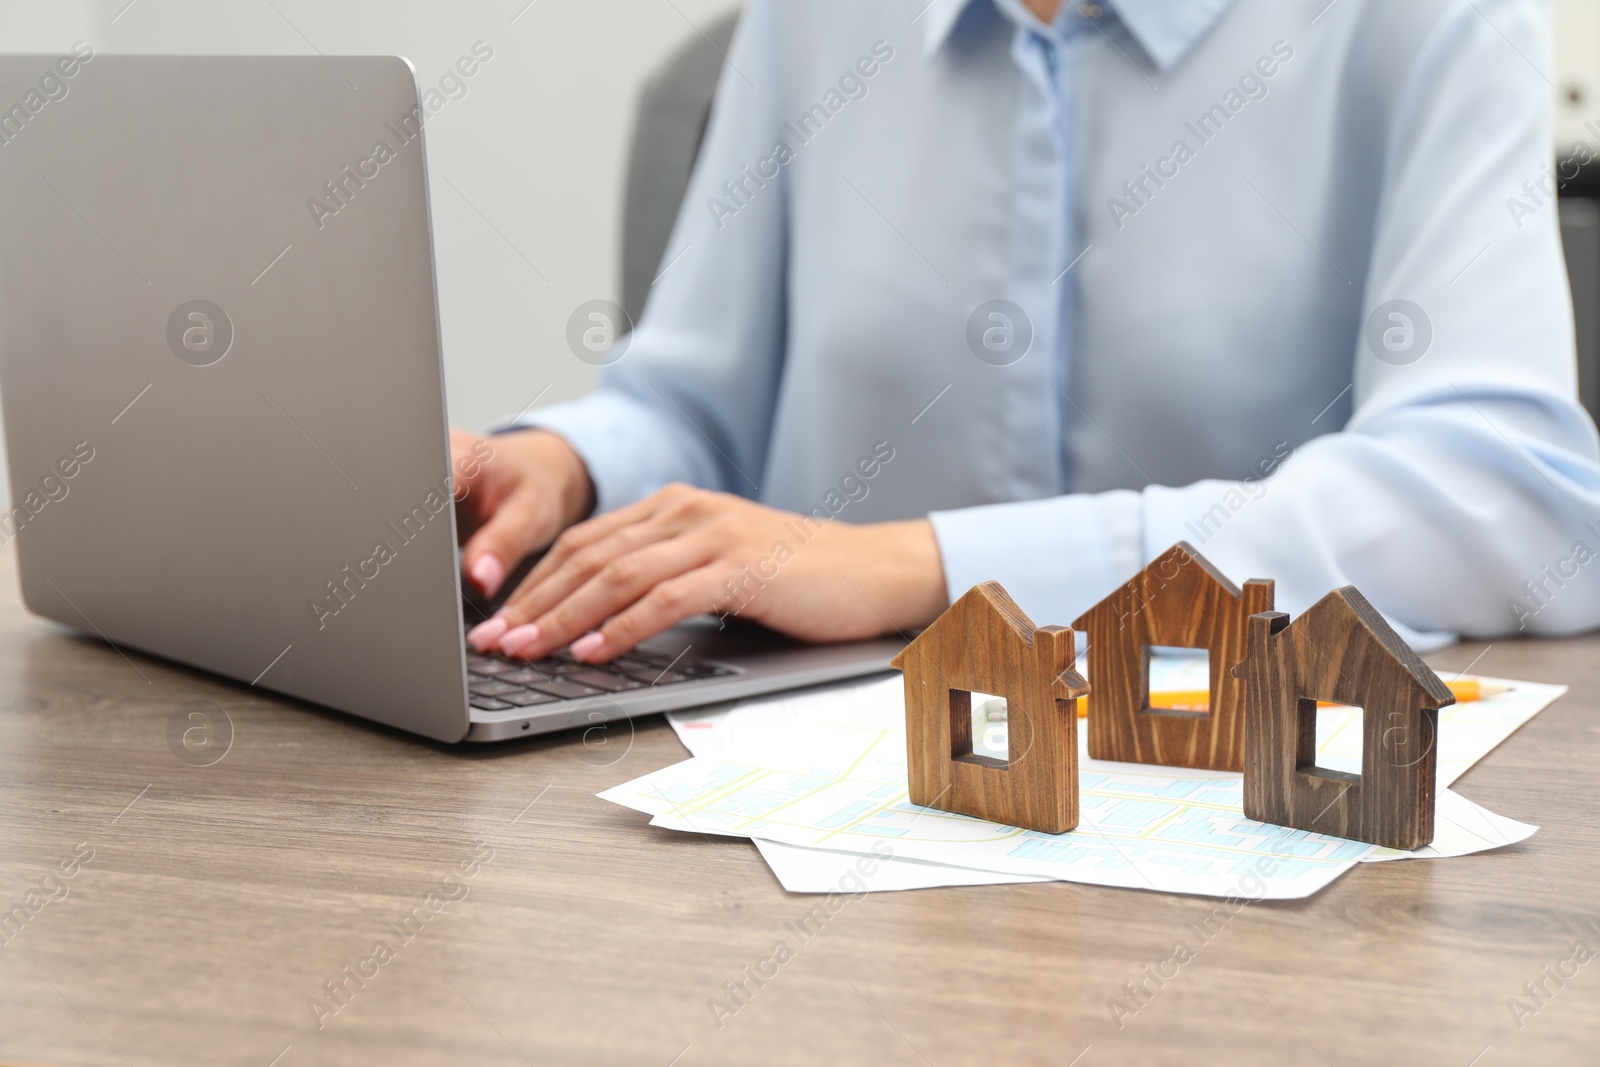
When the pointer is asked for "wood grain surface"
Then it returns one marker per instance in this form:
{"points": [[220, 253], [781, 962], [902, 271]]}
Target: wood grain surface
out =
{"points": [[983, 643], [1179, 600], [219, 899], [1342, 651]]}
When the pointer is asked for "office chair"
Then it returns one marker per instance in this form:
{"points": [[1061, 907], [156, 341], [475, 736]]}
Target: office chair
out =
{"points": [[1580, 237], [674, 107]]}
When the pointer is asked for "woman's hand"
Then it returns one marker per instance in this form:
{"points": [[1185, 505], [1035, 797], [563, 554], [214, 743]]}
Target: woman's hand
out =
{"points": [[628, 575], [514, 494]]}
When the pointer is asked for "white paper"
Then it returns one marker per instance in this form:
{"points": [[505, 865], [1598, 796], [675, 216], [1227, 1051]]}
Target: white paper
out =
{"points": [[824, 773], [815, 870], [819, 870], [1460, 828]]}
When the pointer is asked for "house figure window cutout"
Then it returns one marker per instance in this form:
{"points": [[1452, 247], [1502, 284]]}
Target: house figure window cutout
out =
{"points": [[1180, 599], [985, 644], [1340, 650]]}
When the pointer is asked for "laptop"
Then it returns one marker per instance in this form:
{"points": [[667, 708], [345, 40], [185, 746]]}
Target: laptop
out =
{"points": [[224, 400]]}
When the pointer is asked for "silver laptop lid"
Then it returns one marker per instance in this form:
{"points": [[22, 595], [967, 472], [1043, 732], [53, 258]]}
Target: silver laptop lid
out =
{"points": [[220, 368]]}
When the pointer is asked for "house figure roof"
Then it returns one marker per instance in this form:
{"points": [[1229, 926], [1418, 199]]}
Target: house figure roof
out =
{"points": [[1347, 611], [989, 601], [1162, 570], [1180, 600]]}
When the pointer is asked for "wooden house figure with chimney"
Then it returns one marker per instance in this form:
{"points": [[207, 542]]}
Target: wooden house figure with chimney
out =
{"points": [[1179, 600], [984, 644], [1342, 651]]}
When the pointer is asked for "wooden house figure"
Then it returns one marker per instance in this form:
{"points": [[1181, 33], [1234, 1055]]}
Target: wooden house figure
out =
{"points": [[985, 644], [1180, 599], [1341, 650]]}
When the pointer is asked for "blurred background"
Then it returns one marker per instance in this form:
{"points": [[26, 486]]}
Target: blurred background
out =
{"points": [[539, 146], [539, 149]]}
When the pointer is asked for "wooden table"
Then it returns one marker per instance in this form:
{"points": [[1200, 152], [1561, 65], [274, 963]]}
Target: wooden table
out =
{"points": [[220, 899]]}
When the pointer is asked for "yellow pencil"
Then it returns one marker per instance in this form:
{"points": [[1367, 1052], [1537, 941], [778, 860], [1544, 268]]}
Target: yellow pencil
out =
{"points": [[1467, 689]]}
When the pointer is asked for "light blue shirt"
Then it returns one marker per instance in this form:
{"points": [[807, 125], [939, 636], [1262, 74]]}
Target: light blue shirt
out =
{"points": [[1263, 290]]}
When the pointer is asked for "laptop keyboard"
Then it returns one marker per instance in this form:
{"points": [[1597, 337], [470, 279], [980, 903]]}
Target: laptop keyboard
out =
{"points": [[495, 683]]}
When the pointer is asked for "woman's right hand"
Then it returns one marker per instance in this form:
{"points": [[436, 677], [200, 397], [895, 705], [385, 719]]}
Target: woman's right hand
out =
{"points": [[514, 494]]}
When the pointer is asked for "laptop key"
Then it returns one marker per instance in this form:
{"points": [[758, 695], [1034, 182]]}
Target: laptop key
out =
{"points": [[527, 676], [657, 676], [492, 689], [705, 670], [614, 683], [564, 689], [525, 698], [697, 670], [489, 704], [489, 667]]}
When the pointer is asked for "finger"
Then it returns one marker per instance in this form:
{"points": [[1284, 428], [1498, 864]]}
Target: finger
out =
{"points": [[554, 581], [467, 463], [513, 615], [517, 527], [538, 594], [666, 605], [613, 588], [577, 538], [577, 541]]}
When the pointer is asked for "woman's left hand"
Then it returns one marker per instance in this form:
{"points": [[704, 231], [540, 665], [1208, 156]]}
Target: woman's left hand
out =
{"points": [[616, 580]]}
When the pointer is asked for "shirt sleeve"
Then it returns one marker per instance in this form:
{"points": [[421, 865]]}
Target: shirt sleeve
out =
{"points": [[692, 397], [1055, 557], [1463, 495]]}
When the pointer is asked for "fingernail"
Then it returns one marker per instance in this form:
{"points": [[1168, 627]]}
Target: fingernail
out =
{"points": [[587, 645], [519, 641], [486, 635], [488, 572]]}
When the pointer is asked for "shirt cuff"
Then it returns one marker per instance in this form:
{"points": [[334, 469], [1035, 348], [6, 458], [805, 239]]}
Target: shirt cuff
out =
{"points": [[1057, 557], [613, 436]]}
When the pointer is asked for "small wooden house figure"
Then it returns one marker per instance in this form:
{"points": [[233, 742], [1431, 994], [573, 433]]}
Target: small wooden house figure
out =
{"points": [[1179, 600], [985, 644], [1341, 650]]}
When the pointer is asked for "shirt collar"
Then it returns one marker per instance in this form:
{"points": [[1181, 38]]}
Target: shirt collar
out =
{"points": [[939, 21], [1165, 30]]}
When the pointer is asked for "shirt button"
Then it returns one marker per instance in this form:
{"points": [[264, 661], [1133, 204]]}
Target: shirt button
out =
{"points": [[1091, 11]]}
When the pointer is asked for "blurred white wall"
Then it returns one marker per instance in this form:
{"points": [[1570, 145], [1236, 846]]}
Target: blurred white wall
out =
{"points": [[539, 145], [1577, 75]]}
